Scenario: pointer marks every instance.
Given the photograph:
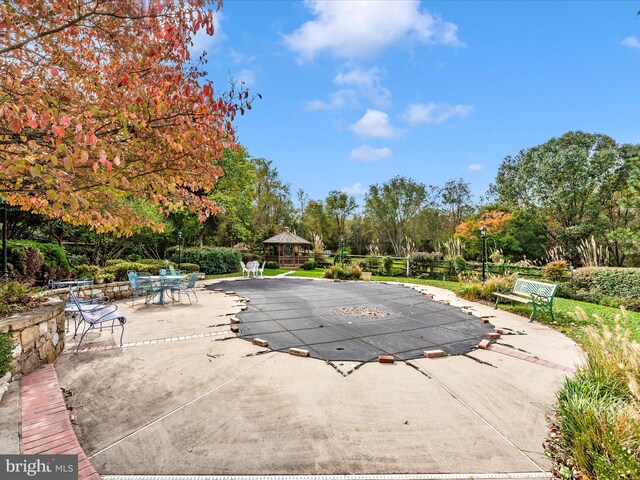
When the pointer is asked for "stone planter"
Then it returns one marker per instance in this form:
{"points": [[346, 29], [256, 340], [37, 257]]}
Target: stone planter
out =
{"points": [[366, 276]]}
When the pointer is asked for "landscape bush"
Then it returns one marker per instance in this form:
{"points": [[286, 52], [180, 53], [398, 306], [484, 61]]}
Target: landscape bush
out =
{"points": [[422, 263], [250, 257], [6, 346], [120, 270], [476, 290], [387, 266], [86, 272], [608, 281], [17, 297], [272, 265], [595, 432], [35, 262], [555, 271], [458, 265], [309, 265], [343, 273], [212, 260]]}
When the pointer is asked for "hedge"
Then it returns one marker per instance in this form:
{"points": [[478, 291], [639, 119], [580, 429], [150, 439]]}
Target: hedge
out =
{"points": [[212, 260], [608, 281], [37, 262]]}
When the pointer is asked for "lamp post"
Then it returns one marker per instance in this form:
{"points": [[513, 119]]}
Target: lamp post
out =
{"points": [[179, 249], [5, 271], [341, 249], [483, 234]]}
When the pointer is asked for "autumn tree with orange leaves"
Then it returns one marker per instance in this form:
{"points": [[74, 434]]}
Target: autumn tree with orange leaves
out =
{"points": [[102, 110]]}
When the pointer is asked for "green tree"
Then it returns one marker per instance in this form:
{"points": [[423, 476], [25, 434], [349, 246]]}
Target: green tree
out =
{"points": [[338, 207], [568, 184], [392, 207], [456, 198], [272, 205]]}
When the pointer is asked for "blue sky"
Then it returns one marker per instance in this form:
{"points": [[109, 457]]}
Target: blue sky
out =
{"points": [[356, 92]]}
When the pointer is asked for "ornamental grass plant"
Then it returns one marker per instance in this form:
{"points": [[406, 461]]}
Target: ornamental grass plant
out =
{"points": [[595, 433]]}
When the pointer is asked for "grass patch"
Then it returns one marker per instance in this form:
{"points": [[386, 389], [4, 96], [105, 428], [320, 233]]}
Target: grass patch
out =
{"points": [[268, 272], [596, 430]]}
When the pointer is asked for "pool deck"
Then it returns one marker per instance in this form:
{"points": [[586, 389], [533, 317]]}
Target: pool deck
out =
{"points": [[186, 397]]}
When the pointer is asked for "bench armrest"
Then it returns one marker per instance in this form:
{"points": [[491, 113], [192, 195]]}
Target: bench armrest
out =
{"points": [[540, 299]]}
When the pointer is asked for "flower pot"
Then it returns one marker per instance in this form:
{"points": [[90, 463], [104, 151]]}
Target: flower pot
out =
{"points": [[98, 281], [366, 276]]}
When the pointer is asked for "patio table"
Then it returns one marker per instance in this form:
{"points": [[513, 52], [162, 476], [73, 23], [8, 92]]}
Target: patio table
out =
{"points": [[253, 268], [164, 282]]}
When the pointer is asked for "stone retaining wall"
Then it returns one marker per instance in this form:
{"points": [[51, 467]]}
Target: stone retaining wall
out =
{"points": [[113, 290], [37, 335]]}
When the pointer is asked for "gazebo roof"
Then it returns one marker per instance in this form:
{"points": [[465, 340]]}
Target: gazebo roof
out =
{"points": [[287, 238]]}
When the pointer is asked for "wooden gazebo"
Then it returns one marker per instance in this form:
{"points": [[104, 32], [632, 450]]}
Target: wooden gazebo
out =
{"points": [[288, 249]]}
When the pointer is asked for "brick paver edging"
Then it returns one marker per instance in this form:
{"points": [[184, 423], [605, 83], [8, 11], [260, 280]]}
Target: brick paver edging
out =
{"points": [[46, 427], [529, 358]]}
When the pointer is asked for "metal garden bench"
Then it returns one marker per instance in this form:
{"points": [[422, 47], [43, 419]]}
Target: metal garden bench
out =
{"points": [[537, 294]]}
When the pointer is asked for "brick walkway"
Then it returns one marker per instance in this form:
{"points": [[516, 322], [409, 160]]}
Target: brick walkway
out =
{"points": [[46, 426]]}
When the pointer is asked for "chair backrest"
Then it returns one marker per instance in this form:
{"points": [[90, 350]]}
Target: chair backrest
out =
{"points": [[192, 280], [133, 279], [75, 300], [172, 270], [262, 267]]}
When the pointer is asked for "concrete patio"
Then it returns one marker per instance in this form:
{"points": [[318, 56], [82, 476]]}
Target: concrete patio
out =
{"points": [[185, 396]]}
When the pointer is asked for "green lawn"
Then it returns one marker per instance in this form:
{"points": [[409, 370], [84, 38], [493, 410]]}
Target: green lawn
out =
{"points": [[268, 272]]}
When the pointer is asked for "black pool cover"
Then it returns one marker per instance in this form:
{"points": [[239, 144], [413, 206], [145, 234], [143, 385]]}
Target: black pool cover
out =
{"points": [[351, 320]]}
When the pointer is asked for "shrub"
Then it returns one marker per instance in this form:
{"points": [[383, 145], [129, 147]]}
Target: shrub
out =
{"points": [[16, 297], [555, 271], [250, 257], [309, 265], [608, 281], [120, 270], [373, 264], [477, 290], [596, 433], [36, 262], [346, 273], [6, 346], [212, 260], [84, 272], [422, 263], [189, 267], [318, 256], [115, 261], [458, 265], [272, 265], [387, 266]]}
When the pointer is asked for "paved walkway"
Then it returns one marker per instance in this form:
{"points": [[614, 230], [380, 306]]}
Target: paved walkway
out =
{"points": [[45, 423], [187, 397]]}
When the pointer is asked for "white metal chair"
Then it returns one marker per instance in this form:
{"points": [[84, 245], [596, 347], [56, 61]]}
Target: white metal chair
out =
{"points": [[244, 269], [96, 315], [261, 269]]}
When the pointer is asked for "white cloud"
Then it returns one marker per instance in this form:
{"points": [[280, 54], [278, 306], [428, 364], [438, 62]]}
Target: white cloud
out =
{"points": [[434, 113], [246, 76], [368, 83], [336, 101], [205, 43], [632, 42], [357, 28], [365, 153], [475, 167], [239, 58], [375, 123], [355, 189]]}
